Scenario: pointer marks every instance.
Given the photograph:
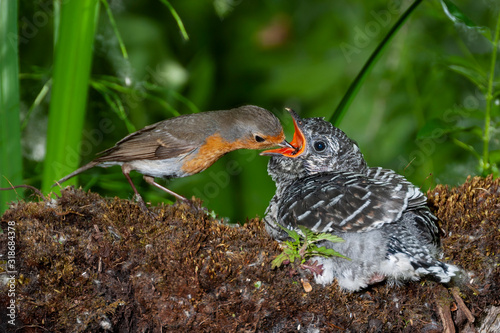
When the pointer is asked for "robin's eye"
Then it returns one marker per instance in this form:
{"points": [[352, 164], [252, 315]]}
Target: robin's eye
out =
{"points": [[259, 139], [319, 146]]}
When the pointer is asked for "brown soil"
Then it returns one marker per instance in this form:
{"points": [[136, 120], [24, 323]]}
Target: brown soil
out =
{"points": [[89, 264]]}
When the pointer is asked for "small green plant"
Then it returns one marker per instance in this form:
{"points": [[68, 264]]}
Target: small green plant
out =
{"points": [[473, 126], [302, 248]]}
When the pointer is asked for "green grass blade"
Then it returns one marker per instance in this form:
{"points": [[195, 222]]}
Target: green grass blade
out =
{"points": [[114, 103], [72, 64], [187, 102], [38, 100], [346, 101], [177, 19], [486, 166], [10, 128], [115, 29]]}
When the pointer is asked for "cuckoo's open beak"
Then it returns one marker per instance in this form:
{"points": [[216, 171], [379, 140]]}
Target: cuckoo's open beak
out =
{"points": [[297, 144]]}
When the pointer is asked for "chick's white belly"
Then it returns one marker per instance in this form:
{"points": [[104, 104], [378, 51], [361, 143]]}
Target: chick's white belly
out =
{"points": [[366, 251], [166, 168]]}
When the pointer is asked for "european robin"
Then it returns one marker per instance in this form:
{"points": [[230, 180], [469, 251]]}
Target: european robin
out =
{"points": [[188, 144], [325, 185]]}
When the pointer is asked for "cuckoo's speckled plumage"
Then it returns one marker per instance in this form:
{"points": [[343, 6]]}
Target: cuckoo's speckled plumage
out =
{"points": [[324, 184]]}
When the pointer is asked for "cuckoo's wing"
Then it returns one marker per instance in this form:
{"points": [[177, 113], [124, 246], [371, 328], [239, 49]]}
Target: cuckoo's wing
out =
{"points": [[416, 197], [344, 202], [426, 221]]}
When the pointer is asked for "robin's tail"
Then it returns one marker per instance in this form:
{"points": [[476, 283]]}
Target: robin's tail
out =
{"points": [[87, 166]]}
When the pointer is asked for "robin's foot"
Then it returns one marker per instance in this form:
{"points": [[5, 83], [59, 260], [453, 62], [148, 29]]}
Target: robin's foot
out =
{"points": [[194, 204], [141, 203]]}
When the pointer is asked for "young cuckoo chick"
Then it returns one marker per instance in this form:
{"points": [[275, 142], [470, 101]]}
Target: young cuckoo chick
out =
{"points": [[324, 184]]}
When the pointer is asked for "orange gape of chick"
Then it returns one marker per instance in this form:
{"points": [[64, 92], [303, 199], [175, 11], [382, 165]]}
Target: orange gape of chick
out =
{"points": [[188, 144]]}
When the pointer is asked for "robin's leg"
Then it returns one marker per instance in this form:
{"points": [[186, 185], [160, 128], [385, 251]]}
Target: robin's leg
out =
{"points": [[150, 180], [126, 171]]}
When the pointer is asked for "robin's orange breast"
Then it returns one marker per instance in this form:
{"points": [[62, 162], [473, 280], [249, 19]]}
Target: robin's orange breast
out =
{"points": [[213, 148]]}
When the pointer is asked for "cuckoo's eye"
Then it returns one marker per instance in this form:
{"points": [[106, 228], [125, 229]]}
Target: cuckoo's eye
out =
{"points": [[259, 139], [319, 146]]}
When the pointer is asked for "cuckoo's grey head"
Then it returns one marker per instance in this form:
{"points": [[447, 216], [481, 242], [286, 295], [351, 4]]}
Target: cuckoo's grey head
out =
{"points": [[318, 146]]}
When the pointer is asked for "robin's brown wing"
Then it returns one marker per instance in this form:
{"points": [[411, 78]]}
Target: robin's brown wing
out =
{"points": [[345, 202], [162, 140]]}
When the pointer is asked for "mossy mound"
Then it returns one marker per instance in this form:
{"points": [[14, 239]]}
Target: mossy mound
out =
{"points": [[470, 221], [89, 264]]}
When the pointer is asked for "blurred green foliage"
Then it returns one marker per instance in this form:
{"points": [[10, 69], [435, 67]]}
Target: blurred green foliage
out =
{"points": [[70, 76], [276, 53], [10, 131]]}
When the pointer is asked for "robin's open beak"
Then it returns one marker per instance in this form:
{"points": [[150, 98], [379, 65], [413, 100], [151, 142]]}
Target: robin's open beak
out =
{"points": [[285, 144], [297, 144]]}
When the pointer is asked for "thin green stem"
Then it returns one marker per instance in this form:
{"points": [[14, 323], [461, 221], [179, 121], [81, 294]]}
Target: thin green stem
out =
{"points": [[114, 102], [467, 147], [39, 98], [360, 78], [486, 165], [107, 82], [115, 29], [177, 19]]}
